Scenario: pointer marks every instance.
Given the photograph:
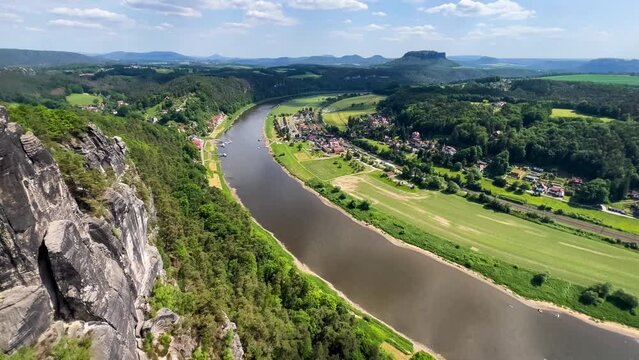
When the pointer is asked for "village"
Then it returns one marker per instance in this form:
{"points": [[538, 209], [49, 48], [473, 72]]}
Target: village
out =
{"points": [[306, 125]]}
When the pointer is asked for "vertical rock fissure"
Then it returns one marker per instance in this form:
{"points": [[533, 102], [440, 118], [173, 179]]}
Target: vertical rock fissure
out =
{"points": [[60, 305]]}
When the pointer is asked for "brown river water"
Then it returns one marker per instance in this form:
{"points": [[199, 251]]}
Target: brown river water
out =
{"points": [[442, 307]]}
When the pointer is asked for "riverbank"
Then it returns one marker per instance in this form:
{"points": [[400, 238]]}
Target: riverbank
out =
{"points": [[370, 324], [505, 280]]}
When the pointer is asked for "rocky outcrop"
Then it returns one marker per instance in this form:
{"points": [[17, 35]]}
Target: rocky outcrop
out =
{"points": [[60, 265], [229, 329]]}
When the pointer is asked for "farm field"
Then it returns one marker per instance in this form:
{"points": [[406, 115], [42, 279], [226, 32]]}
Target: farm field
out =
{"points": [[82, 99], [337, 114], [598, 78], [295, 105], [508, 238], [614, 221], [569, 113]]}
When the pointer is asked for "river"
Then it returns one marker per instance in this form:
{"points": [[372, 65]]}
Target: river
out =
{"points": [[451, 312]]}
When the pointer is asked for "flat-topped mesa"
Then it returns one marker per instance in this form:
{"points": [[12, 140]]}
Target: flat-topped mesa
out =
{"points": [[60, 265], [425, 55]]}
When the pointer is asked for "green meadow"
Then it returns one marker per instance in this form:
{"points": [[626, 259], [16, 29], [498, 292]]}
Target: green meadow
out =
{"points": [[82, 99], [598, 79], [337, 114], [513, 240], [569, 113]]}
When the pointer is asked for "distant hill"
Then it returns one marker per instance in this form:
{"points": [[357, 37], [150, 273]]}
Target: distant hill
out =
{"points": [[610, 66], [326, 60], [424, 58], [154, 56], [17, 57]]}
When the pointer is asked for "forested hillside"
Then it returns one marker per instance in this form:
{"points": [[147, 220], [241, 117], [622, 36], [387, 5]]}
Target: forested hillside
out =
{"points": [[483, 119], [217, 260]]}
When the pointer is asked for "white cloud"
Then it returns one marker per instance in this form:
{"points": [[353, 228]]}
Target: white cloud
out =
{"points": [[328, 4], [94, 14], [375, 27], [74, 23], [260, 11], [401, 33], [502, 9], [264, 11], [348, 21], [163, 26], [10, 17], [164, 7], [379, 13], [33, 29], [514, 32]]}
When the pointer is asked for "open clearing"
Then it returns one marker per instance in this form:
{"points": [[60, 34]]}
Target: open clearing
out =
{"points": [[295, 105], [598, 78], [513, 240], [82, 99], [307, 75], [568, 113], [337, 114]]}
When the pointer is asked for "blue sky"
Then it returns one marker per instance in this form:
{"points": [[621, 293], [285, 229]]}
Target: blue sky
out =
{"points": [[268, 28]]}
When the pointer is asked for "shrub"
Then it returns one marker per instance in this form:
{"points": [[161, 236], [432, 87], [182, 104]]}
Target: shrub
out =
{"points": [[590, 297], [364, 205], [623, 300], [72, 349], [452, 187], [500, 182], [539, 279], [602, 290]]}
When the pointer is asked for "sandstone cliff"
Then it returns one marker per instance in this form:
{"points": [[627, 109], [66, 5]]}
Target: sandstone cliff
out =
{"points": [[60, 268]]}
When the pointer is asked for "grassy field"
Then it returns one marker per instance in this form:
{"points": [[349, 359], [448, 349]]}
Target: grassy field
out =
{"points": [[379, 145], [598, 78], [82, 99], [614, 221], [338, 113], [295, 105], [307, 75], [568, 113], [505, 237]]}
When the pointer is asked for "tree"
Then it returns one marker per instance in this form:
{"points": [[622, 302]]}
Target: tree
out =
{"points": [[452, 187], [623, 300], [500, 182], [500, 164], [589, 297], [593, 192]]}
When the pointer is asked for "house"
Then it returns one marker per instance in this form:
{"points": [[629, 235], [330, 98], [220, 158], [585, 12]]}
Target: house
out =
{"points": [[482, 165], [415, 136], [634, 194], [556, 191], [539, 189], [538, 169], [514, 174], [575, 181], [449, 150], [199, 143], [531, 178]]}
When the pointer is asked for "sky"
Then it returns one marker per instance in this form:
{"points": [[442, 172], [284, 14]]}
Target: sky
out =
{"points": [[272, 28]]}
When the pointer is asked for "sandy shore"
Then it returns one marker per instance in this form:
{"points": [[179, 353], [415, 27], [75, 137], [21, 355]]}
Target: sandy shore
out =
{"points": [[535, 304]]}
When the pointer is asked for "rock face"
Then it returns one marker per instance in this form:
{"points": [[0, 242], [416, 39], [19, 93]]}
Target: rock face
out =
{"points": [[58, 264]]}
